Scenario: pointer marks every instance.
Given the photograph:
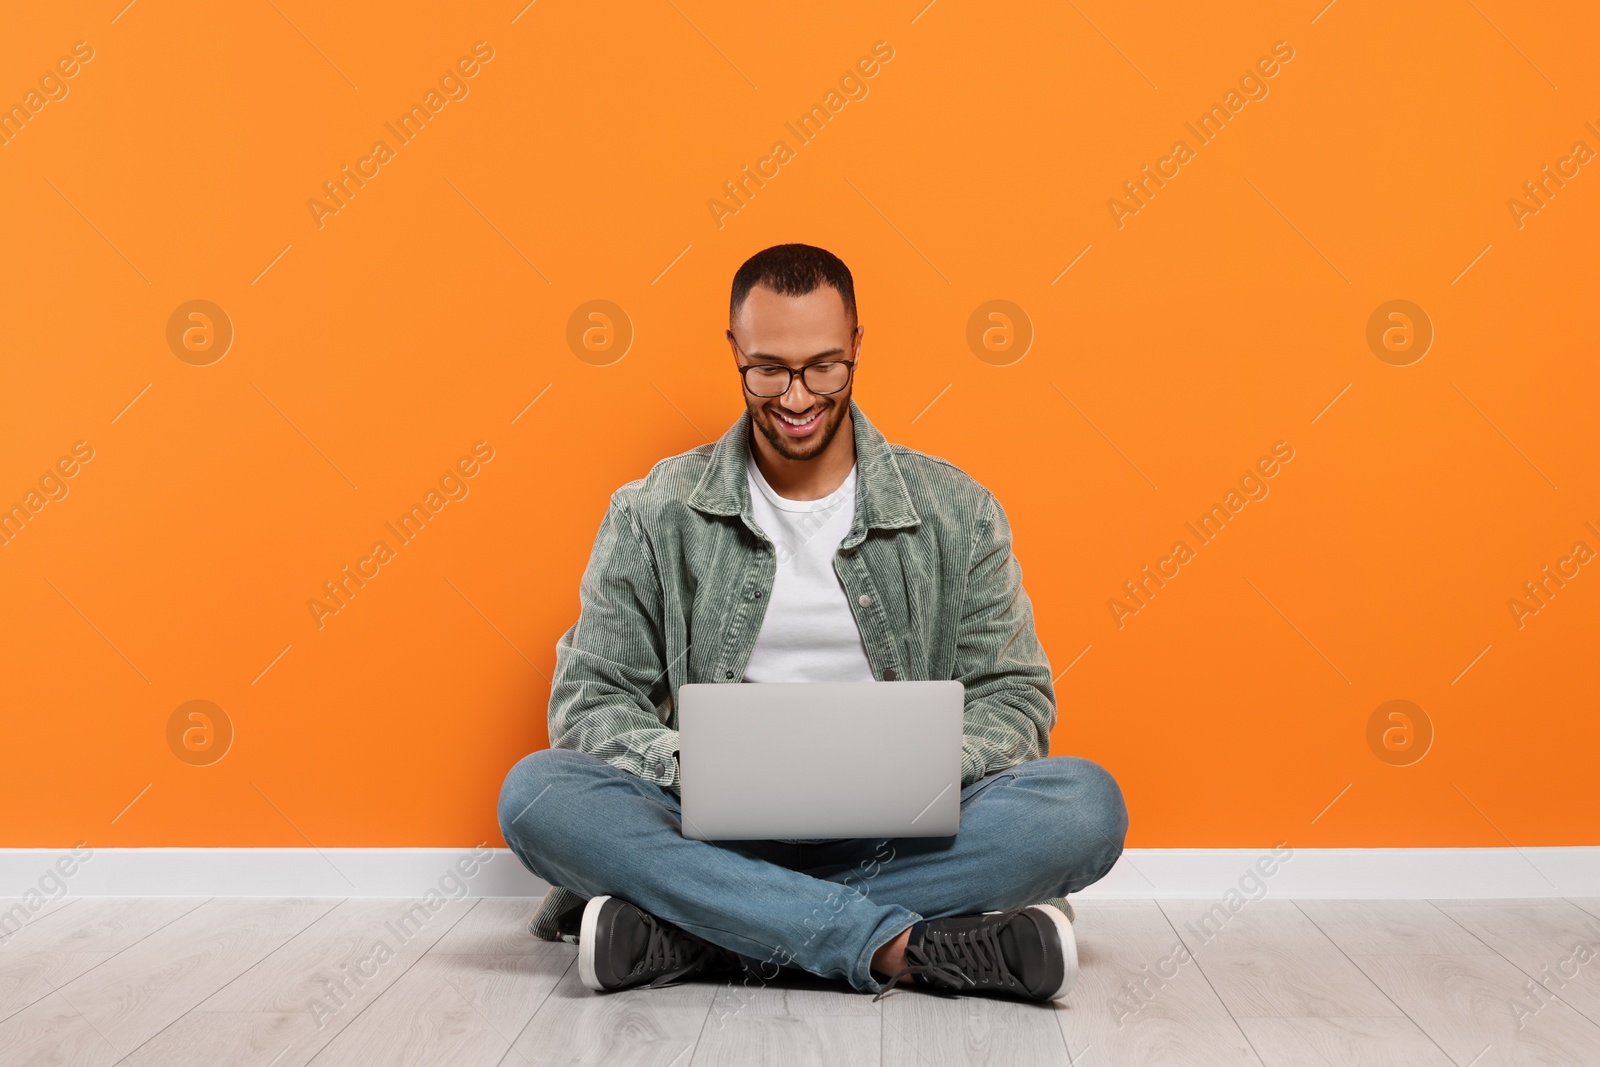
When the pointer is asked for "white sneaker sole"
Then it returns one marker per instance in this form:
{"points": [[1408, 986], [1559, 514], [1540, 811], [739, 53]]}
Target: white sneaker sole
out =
{"points": [[586, 944], [1069, 948]]}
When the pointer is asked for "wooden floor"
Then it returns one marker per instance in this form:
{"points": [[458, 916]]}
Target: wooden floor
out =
{"points": [[163, 982]]}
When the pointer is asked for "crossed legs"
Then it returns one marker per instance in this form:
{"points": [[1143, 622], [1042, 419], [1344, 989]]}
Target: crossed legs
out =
{"points": [[1041, 829]]}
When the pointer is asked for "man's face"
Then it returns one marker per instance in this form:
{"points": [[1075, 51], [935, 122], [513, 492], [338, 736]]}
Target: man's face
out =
{"points": [[794, 331]]}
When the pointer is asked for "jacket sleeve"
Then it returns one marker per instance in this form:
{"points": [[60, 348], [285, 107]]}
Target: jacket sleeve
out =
{"points": [[609, 693], [1010, 699]]}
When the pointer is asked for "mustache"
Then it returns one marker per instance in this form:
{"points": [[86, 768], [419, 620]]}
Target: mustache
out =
{"points": [[773, 408]]}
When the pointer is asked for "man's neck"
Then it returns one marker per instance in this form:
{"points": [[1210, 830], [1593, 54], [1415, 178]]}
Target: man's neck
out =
{"points": [[808, 479]]}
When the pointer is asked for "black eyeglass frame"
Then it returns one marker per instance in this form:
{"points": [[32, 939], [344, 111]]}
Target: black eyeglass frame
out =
{"points": [[745, 380]]}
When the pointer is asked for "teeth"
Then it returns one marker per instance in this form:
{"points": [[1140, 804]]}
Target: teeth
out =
{"points": [[795, 422]]}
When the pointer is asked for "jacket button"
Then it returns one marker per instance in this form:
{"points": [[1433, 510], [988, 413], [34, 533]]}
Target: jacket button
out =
{"points": [[728, 674], [864, 600], [889, 675]]}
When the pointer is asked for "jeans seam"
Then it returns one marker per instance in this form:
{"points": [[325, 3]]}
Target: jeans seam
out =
{"points": [[871, 950]]}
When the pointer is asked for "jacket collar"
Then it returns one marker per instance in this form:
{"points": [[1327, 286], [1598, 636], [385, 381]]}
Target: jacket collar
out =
{"points": [[882, 499]]}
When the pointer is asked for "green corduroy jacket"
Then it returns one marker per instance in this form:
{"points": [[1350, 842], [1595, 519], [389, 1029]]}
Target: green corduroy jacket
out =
{"points": [[677, 584]]}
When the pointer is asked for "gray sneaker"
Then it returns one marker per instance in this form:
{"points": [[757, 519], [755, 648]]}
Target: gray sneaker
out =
{"points": [[558, 916], [621, 946], [1029, 953], [1063, 905]]}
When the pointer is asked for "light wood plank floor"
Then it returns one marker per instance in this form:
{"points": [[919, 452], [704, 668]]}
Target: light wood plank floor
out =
{"points": [[288, 983]]}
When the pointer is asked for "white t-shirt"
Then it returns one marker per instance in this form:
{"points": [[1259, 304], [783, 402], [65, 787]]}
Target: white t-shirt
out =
{"points": [[808, 633]]}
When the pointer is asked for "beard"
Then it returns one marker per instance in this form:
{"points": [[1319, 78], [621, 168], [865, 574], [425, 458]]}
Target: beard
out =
{"points": [[808, 448]]}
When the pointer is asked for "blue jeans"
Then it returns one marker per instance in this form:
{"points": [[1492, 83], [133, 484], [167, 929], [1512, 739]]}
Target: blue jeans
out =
{"points": [[1040, 829]]}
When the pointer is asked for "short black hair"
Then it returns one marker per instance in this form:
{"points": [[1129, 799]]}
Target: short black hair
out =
{"points": [[793, 270]]}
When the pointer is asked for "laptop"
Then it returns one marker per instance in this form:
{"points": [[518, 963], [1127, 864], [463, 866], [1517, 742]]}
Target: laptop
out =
{"points": [[818, 761]]}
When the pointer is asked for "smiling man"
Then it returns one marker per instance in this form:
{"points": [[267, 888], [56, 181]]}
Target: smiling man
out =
{"points": [[803, 547]]}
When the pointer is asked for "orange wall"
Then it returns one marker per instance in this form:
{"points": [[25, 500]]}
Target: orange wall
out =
{"points": [[374, 347]]}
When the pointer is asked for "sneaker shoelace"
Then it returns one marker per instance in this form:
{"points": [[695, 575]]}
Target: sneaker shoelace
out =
{"points": [[958, 959], [673, 951]]}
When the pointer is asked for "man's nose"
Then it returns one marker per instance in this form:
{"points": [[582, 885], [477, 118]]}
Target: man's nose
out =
{"points": [[797, 397]]}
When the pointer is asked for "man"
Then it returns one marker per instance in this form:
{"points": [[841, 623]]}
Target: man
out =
{"points": [[804, 547]]}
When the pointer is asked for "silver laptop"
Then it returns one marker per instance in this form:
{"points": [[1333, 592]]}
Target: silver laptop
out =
{"points": [[820, 760]]}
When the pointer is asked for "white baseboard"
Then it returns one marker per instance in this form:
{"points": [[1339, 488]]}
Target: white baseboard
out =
{"points": [[1167, 873], [1355, 873], [270, 872]]}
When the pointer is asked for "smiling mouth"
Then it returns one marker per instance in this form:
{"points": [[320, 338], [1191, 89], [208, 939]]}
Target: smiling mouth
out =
{"points": [[799, 427]]}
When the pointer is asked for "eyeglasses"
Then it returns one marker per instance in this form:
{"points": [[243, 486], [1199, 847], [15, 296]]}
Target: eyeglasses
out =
{"points": [[768, 380]]}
